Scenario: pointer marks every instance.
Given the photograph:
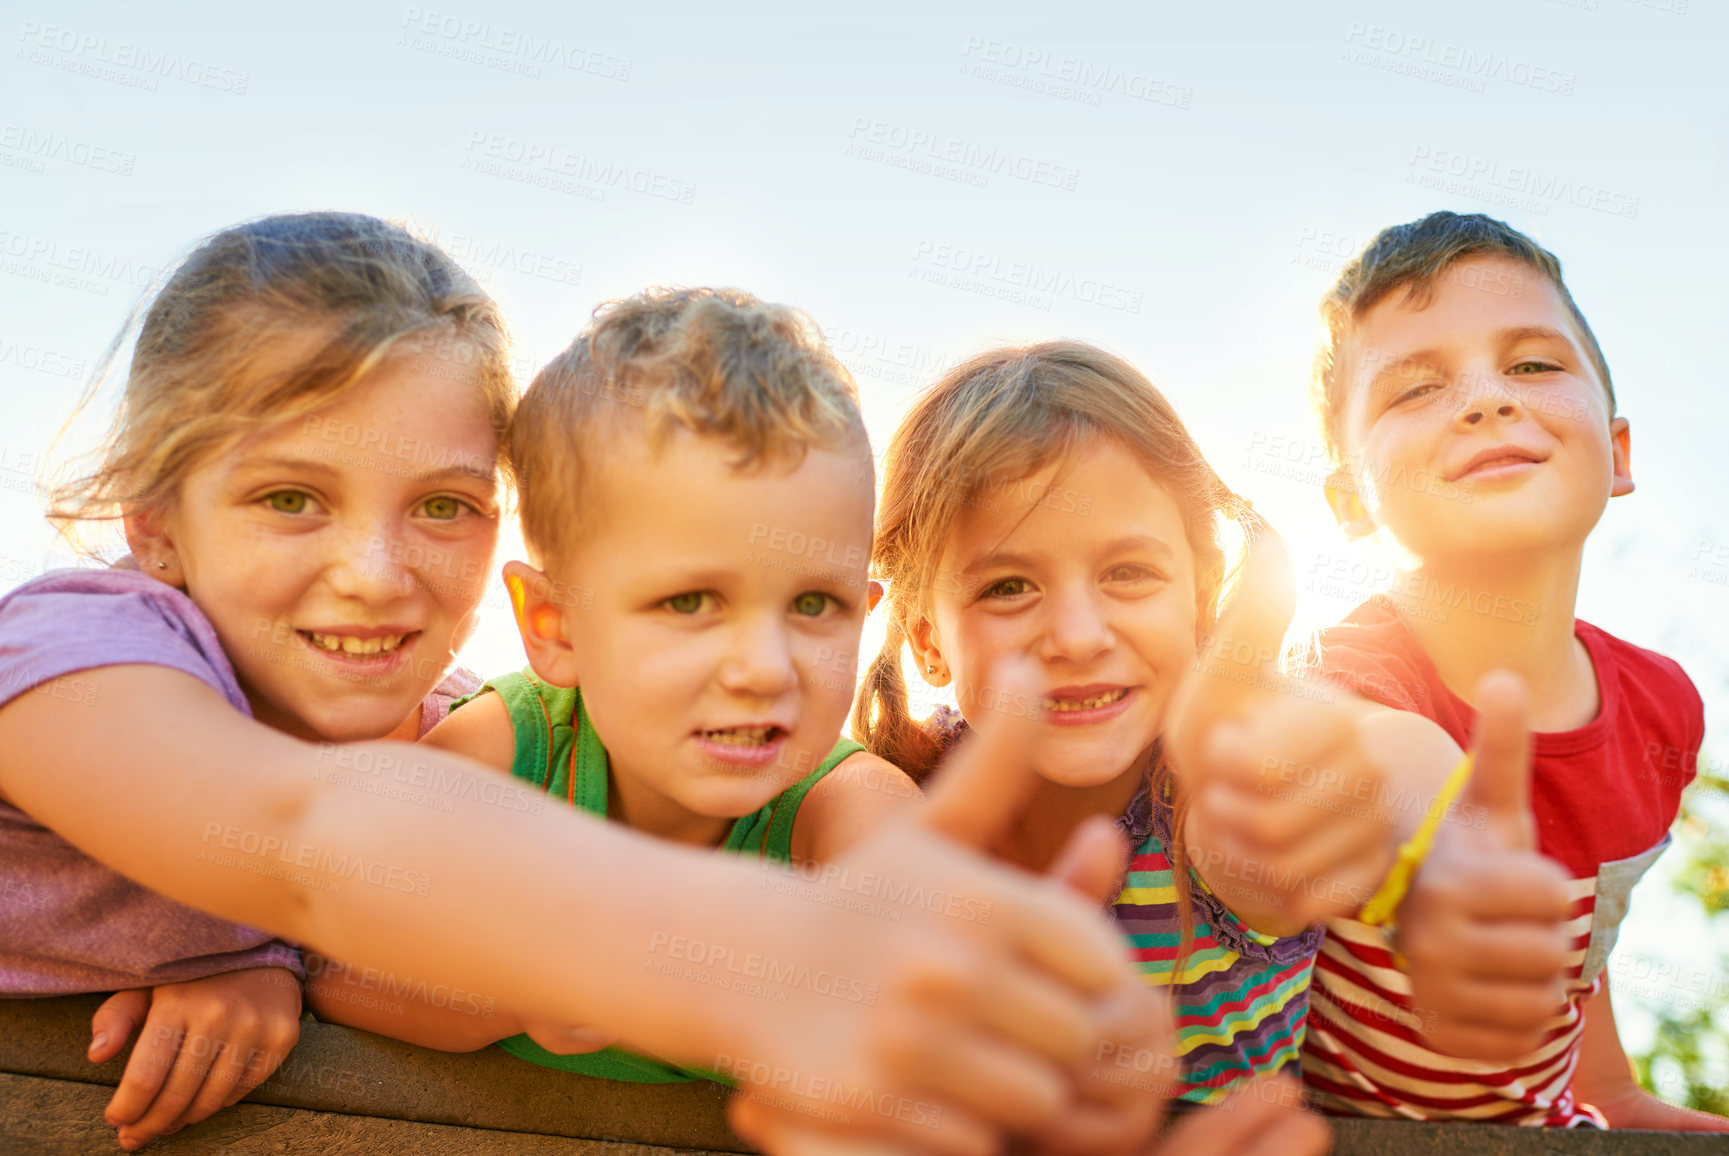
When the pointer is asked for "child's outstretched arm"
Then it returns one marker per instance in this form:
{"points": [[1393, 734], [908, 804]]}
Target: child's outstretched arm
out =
{"points": [[431, 1015], [173, 788]]}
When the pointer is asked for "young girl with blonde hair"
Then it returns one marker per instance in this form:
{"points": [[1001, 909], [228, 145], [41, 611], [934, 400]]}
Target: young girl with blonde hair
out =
{"points": [[1048, 501]]}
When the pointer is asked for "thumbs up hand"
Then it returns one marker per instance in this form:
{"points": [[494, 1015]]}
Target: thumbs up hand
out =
{"points": [[989, 989], [1289, 818], [1482, 928]]}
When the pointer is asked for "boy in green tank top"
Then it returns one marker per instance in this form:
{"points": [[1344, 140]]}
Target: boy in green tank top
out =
{"points": [[697, 493]]}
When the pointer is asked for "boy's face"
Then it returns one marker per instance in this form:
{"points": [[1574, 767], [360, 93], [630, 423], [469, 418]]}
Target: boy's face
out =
{"points": [[1475, 425], [1086, 567], [711, 617]]}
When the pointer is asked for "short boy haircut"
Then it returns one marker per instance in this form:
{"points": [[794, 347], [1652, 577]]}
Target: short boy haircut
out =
{"points": [[1412, 256], [716, 362]]}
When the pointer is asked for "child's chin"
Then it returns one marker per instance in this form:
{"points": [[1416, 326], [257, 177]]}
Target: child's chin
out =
{"points": [[358, 722], [1080, 772], [730, 804], [1489, 531]]}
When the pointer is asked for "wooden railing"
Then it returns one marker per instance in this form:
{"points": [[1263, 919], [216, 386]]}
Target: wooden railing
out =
{"points": [[350, 1093]]}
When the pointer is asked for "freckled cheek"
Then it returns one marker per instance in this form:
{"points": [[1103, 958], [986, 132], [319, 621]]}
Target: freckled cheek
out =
{"points": [[669, 675], [249, 608], [975, 652]]}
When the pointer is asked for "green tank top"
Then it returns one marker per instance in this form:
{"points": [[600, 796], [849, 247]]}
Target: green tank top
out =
{"points": [[558, 751]]}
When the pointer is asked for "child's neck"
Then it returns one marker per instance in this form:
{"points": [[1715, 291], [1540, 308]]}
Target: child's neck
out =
{"points": [[644, 809], [1512, 614], [1054, 811]]}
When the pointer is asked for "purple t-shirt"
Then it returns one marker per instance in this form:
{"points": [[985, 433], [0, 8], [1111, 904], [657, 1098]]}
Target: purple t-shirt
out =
{"points": [[68, 923]]}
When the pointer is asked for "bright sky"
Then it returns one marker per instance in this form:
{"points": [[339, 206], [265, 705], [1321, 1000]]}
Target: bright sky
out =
{"points": [[1179, 183]]}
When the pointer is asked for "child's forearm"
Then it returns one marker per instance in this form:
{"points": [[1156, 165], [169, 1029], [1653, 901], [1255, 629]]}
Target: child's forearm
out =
{"points": [[253, 826], [449, 877], [1417, 756], [1604, 1072], [1605, 1080], [404, 1008]]}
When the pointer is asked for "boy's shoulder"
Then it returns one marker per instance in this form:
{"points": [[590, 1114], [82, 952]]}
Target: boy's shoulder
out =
{"points": [[1630, 656], [481, 729], [1372, 654], [1654, 685], [860, 793]]}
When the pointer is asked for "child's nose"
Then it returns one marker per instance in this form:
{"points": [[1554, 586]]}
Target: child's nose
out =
{"points": [[761, 662], [1077, 629], [1490, 396], [1505, 409], [371, 565]]}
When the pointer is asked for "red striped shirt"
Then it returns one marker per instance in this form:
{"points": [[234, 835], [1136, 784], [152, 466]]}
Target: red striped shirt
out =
{"points": [[1604, 797]]}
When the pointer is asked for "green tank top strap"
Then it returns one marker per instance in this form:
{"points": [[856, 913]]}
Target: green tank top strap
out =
{"points": [[556, 747], [767, 833]]}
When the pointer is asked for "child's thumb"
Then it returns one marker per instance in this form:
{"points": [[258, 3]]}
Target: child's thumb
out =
{"points": [[987, 781], [1500, 783], [115, 1021], [1238, 662]]}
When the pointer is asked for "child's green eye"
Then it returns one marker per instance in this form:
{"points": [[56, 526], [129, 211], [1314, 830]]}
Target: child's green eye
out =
{"points": [[287, 501], [1007, 588], [685, 603], [810, 603], [443, 508]]}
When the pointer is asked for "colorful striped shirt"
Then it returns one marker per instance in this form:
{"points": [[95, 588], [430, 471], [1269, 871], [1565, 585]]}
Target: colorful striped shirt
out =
{"points": [[1242, 999]]}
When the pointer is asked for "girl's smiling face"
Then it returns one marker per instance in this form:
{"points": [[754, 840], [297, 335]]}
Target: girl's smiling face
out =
{"points": [[1085, 566], [341, 557]]}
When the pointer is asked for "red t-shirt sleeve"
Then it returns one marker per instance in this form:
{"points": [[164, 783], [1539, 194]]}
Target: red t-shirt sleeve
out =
{"points": [[1362, 658]]}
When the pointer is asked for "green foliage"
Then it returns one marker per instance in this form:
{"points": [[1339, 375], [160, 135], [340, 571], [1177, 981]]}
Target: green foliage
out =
{"points": [[1685, 1063]]}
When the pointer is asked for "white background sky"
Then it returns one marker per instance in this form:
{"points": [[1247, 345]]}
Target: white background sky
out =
{"points": [[1211, 165]]}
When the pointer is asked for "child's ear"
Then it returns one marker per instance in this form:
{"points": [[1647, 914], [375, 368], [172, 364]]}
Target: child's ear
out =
{"points": [[922, 637], [540, 603], [1621, 442], [151, 540], [1347, 505]]}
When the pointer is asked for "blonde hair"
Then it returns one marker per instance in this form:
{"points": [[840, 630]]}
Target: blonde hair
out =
{"points": [[272, 320], [716, 362], [989, 423]]}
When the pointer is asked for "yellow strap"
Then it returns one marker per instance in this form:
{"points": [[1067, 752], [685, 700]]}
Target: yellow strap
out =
{"points": [[1380, 910]]}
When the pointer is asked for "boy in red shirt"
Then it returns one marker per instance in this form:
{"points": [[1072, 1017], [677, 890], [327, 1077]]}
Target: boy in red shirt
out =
{"points": [[1472, 419]]}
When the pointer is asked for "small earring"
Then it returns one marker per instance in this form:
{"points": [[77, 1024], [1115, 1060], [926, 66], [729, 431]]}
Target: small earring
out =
{"points": [[162, 565], [930, 668]]}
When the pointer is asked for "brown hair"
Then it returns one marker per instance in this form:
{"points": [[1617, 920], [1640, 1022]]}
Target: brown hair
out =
{"points": [[1412, 257], [716, 362], [991, 422], [272, 320]]}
